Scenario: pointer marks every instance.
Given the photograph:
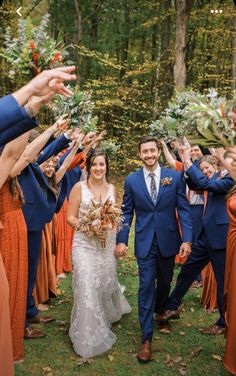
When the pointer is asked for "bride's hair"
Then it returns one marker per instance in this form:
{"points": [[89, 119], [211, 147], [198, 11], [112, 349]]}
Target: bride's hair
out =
{"points": [[93, 153]]}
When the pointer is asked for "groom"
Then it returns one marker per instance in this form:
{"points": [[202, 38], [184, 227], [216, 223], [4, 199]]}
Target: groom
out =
{"points": [[154, 193]]}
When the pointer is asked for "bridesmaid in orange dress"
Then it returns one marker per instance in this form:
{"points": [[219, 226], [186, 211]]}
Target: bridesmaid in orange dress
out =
{"points": [[209, 292], [13, 248], [230, 286], [45, 286], [6, 356], [64, 231]]}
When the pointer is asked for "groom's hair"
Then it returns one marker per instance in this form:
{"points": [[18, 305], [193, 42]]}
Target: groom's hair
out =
{"points": [[146, 139]]}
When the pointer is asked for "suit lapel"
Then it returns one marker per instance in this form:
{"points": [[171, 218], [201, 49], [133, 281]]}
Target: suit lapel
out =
{"points": [[143, 185]]}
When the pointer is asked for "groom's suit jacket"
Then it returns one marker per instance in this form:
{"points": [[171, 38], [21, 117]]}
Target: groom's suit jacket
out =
{"points": [[14, 120], [159, 218], [215, 218]]}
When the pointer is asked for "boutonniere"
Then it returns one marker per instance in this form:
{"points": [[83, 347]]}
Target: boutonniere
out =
{"points": [[166, 181]]}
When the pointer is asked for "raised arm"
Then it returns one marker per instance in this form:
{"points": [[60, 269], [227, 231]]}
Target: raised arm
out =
{"points": [[67, 162], [47, 83], [10, 155], [168, 156], [33, 149]]}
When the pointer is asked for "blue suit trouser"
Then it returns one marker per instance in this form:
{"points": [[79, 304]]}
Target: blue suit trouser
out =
{"points": [[34, 248], [200, 256], [155, 276]]}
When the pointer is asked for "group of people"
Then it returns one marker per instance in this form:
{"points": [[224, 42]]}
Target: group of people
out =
{"points": [[49, 180]]}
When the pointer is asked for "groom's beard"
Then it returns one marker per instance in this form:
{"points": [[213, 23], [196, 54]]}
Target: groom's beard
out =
{"points": [[150, 162]]}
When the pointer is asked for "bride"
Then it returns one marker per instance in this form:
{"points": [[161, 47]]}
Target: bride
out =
{"points": [[98, 299]]}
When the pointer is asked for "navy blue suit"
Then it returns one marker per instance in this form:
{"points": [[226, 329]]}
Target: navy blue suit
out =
{"points": [[14, 120], [39, 207], [211, 242], [157, 238]]}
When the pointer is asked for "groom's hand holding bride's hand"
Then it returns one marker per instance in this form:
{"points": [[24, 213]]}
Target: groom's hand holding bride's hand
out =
{"points": [[185, 249], [121, 250]]}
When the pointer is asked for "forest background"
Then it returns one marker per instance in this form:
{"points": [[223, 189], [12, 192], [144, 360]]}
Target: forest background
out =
{"points": [[133, 54]]}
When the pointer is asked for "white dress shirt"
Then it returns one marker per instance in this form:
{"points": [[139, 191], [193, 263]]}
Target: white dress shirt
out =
{"points": [[157, 177]]}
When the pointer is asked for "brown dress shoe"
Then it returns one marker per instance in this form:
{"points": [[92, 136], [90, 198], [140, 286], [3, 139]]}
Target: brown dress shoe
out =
{"points": [[171, 315], [214, 330], [41, 320], [31, 333], [145, 352], [160, 318]]}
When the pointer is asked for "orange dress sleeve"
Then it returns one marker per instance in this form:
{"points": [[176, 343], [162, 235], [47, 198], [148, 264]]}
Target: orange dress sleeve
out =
{"points": [[79, 159], [178, 165]]}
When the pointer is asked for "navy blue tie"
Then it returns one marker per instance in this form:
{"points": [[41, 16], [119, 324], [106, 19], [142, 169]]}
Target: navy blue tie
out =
{"points": [[153, 188]]}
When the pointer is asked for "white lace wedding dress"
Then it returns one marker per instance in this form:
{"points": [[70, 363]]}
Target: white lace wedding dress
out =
{"points": [[98, 299]]}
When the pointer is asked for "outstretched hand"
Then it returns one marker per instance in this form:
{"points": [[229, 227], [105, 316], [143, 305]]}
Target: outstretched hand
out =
{"points": [[52, 81]]}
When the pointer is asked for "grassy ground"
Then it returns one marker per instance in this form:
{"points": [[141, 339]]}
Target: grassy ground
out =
{"points": [[183, 351]]}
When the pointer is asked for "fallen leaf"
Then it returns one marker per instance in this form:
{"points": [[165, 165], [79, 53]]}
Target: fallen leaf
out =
{"points": [[178, 359], [196, 351], [217, 357], [169, 361], [82, 361], [61, 322], [182, 371], [192, 309], [111, 358], [182, 333], [164, 331], [157, 338], [134, 339], [189, 325], [46, 369], [60, 292]]}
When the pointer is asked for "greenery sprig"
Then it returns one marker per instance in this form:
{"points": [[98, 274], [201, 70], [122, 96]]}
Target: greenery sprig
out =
{"points": [[79, 107], [32, 49]]}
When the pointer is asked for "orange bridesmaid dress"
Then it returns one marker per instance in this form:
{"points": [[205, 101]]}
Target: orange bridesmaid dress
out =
{"points": [[64, 246], [230, 289], [13, 248], [209, 292], [6, 356], [45, 286], [64, 231]]}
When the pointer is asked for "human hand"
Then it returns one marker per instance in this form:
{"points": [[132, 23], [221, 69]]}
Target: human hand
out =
{"points": [[60, 125], [88, 138], [52, 81], [121, 250], [185, 249]]}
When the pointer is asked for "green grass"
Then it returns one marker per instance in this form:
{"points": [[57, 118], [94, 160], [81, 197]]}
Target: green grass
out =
{"points": [[184, 351]]}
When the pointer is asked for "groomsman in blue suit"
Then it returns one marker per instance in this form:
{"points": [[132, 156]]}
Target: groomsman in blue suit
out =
{"points": [[39, 208], [153, 194], [210, 246]]}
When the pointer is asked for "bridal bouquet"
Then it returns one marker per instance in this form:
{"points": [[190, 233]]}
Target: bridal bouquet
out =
{"points": [[99, 218]]}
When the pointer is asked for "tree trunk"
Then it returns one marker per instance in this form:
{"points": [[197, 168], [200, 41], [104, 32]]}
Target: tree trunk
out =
{"points": [[164, 86], [78, 23], [183, 8], [125, 44]]}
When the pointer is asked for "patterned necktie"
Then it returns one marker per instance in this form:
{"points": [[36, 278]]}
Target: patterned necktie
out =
{"points": [[153, 188]]}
